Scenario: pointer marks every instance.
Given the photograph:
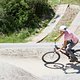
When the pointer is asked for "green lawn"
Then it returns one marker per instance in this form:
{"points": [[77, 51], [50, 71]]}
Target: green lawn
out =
{"points": [[52, 35], [54, 2], [22, 36], [71, 1], [25, 35], [64, 1]]}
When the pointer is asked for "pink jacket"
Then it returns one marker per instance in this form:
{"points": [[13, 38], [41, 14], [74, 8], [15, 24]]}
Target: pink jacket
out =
{"points": [[70, 36]]}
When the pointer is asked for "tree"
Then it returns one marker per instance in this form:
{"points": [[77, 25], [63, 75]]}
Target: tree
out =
{"points": [[20, 14]]}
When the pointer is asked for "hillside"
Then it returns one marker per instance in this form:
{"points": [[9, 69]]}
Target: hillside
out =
{"points": [[20, 19], [67, 19], [20, 22]]}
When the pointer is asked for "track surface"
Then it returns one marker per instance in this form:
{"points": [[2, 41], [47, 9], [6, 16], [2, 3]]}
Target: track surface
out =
{"points": [[63, 69]]}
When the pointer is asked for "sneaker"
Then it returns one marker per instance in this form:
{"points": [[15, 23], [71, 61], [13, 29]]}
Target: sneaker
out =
{"points": [[73, 59]]}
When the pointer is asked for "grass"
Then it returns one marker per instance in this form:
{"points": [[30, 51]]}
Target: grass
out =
{"points": [[16, 37], [25, 35], [52, 35], [71, 1], [55, 2], [22, 36]]}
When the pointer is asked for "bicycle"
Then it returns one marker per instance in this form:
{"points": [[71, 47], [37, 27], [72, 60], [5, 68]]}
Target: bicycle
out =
{"points": [[53, 56]]}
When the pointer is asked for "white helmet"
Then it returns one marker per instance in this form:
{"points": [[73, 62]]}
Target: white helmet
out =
{"points": [[63, 28]]}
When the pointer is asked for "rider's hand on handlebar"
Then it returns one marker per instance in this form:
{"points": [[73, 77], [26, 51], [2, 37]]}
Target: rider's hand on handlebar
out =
{"points": [[59, 50], [55, 39]]}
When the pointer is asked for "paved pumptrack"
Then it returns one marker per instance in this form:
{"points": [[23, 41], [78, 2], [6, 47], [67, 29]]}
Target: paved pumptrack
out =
{"points": [[27, 56], [63, 69]]}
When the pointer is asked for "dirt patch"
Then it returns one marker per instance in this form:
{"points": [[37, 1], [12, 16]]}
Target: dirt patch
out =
{"points": [[78, 32], [67, 19], [69, 15]]}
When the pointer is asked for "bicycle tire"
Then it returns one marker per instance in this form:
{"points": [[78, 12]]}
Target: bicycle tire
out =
{"points": [[56, 57], [77, 54]]}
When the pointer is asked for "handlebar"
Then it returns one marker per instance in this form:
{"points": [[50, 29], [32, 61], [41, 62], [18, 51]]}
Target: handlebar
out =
{"points": [[54, 42], [56, 45]]}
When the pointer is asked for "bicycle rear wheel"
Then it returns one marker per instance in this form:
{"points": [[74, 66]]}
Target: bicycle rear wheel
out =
{"points": [[51, 57], [77, 54]]}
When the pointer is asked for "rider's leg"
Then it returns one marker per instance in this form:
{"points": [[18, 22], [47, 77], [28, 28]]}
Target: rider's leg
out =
{"points": [[68, 50]]}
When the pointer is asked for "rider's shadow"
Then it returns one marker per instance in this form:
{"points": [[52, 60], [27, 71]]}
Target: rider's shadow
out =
{"points": [[71, 68]]}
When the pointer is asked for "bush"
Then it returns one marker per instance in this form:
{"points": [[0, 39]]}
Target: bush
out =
{"points": [[24, 14]]}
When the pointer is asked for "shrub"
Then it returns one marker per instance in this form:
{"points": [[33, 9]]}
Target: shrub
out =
{"points": [[24, 14]]}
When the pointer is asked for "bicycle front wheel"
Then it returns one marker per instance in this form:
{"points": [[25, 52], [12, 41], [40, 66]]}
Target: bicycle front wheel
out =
{"points": [[51, 57]]}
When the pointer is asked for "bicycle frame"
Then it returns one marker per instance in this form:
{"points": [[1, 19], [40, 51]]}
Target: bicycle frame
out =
{"points": [[47, 57], [62, 51], [56, 47]]}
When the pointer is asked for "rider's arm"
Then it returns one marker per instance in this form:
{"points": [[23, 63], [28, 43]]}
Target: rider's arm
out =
{"points": [[59, 36]]}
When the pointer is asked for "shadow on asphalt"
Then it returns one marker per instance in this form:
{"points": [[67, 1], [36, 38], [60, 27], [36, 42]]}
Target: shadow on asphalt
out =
{"points": [[75, 68], [69, 68], [55, 66]]}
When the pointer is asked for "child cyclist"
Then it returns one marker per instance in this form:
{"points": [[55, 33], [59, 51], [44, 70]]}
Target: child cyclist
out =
{"points": [[70, 40]]}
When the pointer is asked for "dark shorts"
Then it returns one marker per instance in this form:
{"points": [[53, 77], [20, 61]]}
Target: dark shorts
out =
{"points": [[70, 45]]}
